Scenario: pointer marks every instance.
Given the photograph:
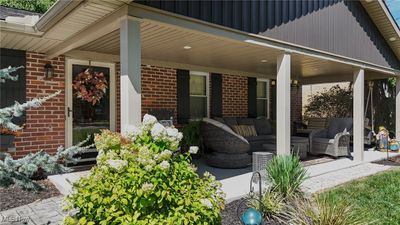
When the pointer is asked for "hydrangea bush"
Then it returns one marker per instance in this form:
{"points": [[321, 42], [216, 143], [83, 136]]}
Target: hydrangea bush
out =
{"points": [[142, 178]]}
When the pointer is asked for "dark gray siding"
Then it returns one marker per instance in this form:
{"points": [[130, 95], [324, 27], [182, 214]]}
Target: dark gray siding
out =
{"points": [[337, 26]]}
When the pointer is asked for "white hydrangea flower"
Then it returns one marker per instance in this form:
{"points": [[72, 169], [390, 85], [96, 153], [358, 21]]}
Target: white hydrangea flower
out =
{"points": [[116, 164], [148, 168], [179, 136], [158, 131], [131, 131], [209, 176], [193, 168], [206, 202], [193, 149], [149, 120], [164, 155], [147, 187], [164, 165], [172, 132]]}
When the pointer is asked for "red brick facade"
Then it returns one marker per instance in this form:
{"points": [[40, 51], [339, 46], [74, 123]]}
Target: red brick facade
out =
{"points": [[44, 127], [234, 96], [158, 89]]}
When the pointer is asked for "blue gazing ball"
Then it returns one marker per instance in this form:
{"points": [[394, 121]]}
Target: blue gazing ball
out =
{"points": [[251, 217]]}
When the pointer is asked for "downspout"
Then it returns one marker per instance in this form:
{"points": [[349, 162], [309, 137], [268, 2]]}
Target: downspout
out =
{"points": [[60, 9]]}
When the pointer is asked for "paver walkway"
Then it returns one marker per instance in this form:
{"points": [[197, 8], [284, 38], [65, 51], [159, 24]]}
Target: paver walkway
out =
{"points": [[48, 211], [331, 179]]}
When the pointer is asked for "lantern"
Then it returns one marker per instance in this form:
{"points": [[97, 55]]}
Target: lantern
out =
{"points": [[48, 71]]}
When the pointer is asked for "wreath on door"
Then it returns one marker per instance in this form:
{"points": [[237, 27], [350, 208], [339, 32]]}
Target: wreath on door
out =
{"points": [[90, 86]]}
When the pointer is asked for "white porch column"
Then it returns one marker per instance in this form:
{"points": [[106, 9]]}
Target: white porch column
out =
{"points": [[130, 57], [283, 104], [397, 108], [358, 115]]}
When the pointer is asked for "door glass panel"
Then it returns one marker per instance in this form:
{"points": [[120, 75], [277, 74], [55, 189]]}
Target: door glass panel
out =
{"points": [[88, 119]]}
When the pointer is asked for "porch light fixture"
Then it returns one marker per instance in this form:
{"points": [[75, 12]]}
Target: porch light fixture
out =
{"points": [[48, 71], [273, 82], [368, 1], [264, 60], [187, 47], [392, 39]]}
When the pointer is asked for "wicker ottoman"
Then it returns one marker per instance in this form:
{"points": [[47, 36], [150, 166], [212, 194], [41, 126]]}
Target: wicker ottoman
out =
{"points": [[300, 146], [228, 161]]}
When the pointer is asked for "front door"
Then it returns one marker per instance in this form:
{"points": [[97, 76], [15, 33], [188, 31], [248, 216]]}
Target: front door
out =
{"points": [[90, 99]]}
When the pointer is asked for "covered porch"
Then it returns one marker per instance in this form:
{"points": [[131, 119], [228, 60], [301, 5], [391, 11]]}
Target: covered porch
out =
{"points": [[137, 35]]}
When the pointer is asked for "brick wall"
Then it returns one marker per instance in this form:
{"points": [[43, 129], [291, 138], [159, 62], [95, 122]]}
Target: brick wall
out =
{"points": [[234, 96], [158, 89], [44, 127], [296, 104]]}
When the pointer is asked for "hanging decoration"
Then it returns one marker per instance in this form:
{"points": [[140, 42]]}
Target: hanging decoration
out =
{"points": [[90, 86]]}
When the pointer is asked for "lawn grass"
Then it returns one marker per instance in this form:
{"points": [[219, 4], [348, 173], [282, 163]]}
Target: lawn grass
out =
{"points": [[378, 196]]}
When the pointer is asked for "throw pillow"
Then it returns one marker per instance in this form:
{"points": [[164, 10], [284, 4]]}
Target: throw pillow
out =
{"points": [[245, 130]]}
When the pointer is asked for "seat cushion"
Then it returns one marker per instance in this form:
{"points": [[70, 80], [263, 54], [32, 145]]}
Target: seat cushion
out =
{"points": [[219, 119], [230, 121], [245, 130], [263, 126], [245, 121], [324, 140], [262, 138], [339, 125]]}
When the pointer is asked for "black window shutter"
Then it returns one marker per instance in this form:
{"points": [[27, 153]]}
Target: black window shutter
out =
{"points": [[183, 96], [216, 95], [12, 91], [252, 97]]}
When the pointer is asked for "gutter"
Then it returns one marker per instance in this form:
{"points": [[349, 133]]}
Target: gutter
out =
{"points": [[60, 9]]}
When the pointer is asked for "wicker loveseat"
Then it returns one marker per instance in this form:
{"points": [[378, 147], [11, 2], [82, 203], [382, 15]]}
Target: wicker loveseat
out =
{"points": [[225, 148], [333, 140]]}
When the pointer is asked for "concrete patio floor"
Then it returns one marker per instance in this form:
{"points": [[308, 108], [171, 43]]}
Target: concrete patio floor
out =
{"points": [[235, 182]]}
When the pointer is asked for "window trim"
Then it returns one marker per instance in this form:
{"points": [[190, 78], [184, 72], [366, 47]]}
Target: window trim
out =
{"points": [[207, 75], [268, 97]]}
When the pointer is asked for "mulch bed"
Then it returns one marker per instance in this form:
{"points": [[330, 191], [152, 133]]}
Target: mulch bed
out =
{"points": [[14, 196], [393, 161], [229, 215]]}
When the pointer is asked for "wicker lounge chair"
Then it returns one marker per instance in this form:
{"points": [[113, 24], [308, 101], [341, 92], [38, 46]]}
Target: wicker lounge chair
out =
{"points": [[226, 149], [333, 140]]}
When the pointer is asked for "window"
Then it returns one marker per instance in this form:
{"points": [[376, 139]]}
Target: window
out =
{"points": [[263, 98], [198, 95]]}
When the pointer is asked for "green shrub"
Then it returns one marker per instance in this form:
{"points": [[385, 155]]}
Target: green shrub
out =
{"points": [[323, 212], [273, 203], [285, 175], [191, 135], [141, 178]]}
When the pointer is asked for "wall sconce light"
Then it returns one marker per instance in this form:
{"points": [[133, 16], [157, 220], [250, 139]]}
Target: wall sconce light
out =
{"points": [[273, 82], [48, 71]]}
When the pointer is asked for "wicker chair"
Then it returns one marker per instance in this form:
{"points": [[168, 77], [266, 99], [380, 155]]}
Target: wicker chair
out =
{"points": [[333, 140], [225, 148]]}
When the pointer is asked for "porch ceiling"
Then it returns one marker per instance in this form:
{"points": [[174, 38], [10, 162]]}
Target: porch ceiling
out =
{"points": [[164, 45]]}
